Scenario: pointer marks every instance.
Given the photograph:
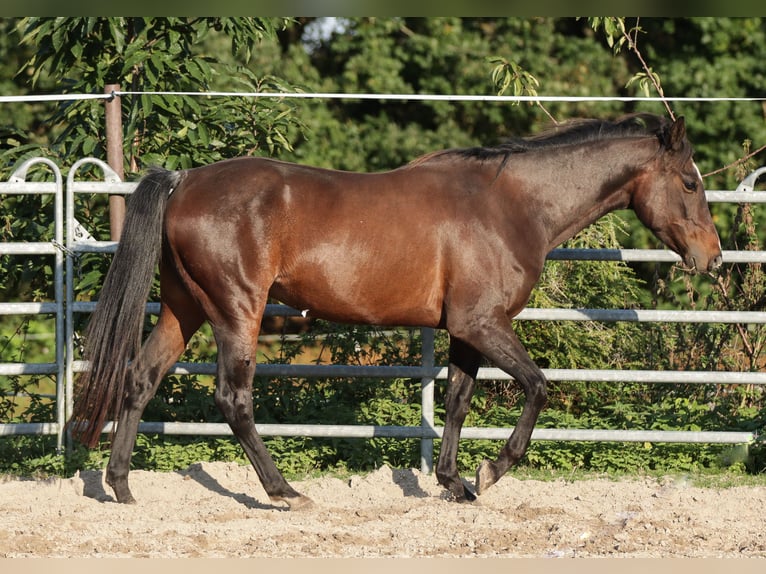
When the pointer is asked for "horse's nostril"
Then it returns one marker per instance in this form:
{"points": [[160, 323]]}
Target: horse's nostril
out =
{"points": [[716, 262]]}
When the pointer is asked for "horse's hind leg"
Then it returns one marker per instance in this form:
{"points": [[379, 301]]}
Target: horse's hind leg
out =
{"points": [[234, 397], [463, 365], [161, 349]]}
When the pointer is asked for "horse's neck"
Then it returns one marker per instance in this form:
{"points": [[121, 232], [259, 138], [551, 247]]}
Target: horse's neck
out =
{"points": [[581, 186]]}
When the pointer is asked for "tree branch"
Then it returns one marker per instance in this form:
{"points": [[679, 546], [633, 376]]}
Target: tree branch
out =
{"points": [[736, 163], [633, 45]]}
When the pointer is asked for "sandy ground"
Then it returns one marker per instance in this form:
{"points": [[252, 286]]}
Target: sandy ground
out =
{"points": [[221, 510]]}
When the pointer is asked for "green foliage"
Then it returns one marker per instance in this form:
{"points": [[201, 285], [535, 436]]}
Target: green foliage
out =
{"points": [[507, 75], [585, 284], [26, 338], [393, 404], [85, 54], [27, 397], [633, 409], [441, 56]]}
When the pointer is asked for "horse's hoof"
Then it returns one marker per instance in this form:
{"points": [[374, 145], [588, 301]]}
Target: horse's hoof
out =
{"points": [[468, 496], [121, 491], [459, 494], [299, 502], [485, 477], [124, 496]]}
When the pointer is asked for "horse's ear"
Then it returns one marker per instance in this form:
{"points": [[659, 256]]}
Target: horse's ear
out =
{"points": [[677, 134]]}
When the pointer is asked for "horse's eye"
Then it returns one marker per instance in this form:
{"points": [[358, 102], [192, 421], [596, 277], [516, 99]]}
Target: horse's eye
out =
{"points": [[690, 185]]}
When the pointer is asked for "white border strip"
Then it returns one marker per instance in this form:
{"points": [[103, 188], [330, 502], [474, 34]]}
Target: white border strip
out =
{"points": [[54, 97]]}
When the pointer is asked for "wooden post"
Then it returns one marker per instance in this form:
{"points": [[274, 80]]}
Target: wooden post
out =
{"points": [[114, 157]]}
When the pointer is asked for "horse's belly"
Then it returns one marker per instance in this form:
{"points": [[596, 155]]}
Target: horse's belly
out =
{"points": [[390, 301]]}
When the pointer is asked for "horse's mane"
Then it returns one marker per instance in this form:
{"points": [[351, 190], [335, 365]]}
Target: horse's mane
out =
{"points": [[572, 132]]}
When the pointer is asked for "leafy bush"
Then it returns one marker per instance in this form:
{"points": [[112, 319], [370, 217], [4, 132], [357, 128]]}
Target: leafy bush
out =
{"points": [[392, 404]]}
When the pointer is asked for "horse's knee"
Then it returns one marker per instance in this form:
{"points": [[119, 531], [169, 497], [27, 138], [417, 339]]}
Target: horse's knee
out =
{"points": [[535, 390], [538, 393]]}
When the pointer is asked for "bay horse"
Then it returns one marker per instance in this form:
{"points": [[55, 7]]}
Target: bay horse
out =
{"points": [[454, 240]]}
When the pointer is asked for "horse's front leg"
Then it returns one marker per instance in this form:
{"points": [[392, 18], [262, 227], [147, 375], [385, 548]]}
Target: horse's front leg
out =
{"points": [[463, 365], [501, 345]]}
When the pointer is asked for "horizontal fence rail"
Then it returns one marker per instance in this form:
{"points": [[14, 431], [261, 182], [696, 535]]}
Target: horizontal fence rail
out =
{"points": [[422, 432], [78, 242]]}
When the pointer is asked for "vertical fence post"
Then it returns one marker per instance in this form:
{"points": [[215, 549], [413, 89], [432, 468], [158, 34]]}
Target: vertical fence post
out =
{"points": [[114, 157], [427, 399], [59, 280]]}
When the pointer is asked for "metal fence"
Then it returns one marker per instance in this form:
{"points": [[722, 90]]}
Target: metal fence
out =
{"points": [[79, 241], [51, 248]]}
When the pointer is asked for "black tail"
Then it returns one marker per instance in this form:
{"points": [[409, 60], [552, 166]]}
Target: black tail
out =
{"points": [[113, 335]]}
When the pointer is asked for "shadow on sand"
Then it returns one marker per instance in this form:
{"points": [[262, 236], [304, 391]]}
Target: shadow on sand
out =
{"points": [[93, 487]]}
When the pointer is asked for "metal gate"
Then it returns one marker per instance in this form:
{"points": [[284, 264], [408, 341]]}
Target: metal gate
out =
{"points": [[78, 241], [53, 247]]}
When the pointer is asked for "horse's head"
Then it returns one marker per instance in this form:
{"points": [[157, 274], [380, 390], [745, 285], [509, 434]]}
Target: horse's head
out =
{"points": [[670, 200]]}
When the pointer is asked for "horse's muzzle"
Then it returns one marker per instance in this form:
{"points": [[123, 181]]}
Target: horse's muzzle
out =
{"points": [[713, 264]]}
